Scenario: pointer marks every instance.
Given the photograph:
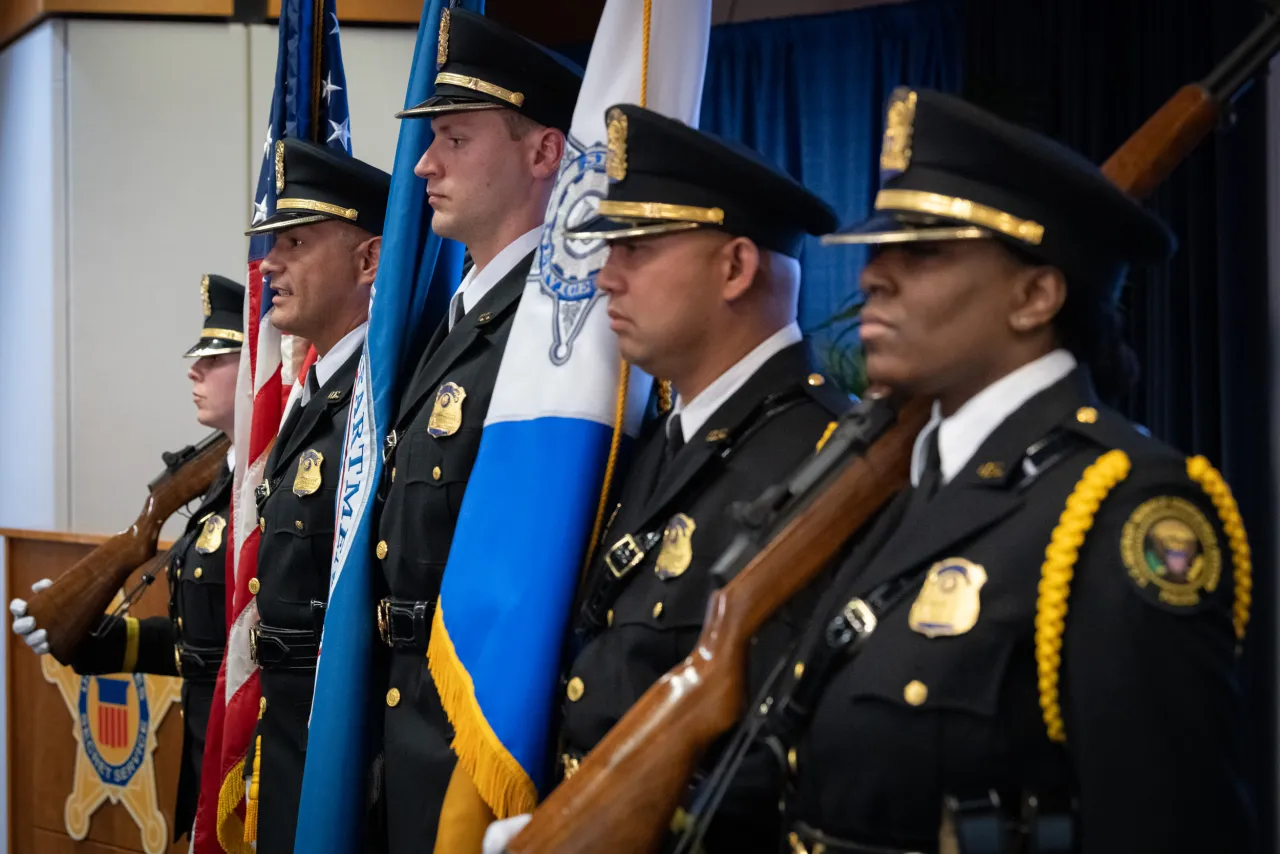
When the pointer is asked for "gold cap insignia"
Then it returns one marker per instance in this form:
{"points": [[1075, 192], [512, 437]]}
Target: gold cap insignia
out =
{"points": [[895, 154], [615, 165], [677, 547], [1171, 549], [948, 603], [442, 43], [446, 413], [307, 480], [210, 539], [279, 166], [204, 297]]}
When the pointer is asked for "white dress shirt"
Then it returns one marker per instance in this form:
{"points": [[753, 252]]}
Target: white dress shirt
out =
{"points": [[327, 365], [696, 412], [960, 436], [477, 283]]}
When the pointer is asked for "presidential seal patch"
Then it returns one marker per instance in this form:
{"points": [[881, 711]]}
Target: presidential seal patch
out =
{"points": [[210, 539], [446, 413], [677, 547], [949, 602], [307, 480], [115, 719], [1170, 549]]}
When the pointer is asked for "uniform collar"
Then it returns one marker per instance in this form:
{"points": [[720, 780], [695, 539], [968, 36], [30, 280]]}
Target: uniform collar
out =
{"points": [[329, 363], [477, 283], [960, 436], [696, 412]]}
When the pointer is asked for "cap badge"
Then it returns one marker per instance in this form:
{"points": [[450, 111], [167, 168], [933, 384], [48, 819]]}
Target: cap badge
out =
{"points": [[949, 601], [446, 413], [677, 547], [442, 43], [307, 480], [279, 166], [616, 162], [895, 154], [204, 296]]}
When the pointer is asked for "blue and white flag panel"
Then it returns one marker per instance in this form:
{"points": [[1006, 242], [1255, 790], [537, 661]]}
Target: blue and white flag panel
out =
{"points": [[505, 598]]}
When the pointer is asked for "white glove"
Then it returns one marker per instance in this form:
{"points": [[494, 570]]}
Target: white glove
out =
{"points": [[25, 626], [499, 833]]}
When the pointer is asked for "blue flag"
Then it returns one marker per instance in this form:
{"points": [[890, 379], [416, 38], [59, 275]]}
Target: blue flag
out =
{"points": [[416, 274]]}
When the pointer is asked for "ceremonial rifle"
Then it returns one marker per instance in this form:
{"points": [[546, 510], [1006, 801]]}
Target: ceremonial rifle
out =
{"points": [[70, 608], [624, 794]]}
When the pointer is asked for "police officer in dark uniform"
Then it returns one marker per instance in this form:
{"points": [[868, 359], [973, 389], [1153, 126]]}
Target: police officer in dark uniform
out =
{"points": [[703, 282], [190, 640], [501, 109], [328, 227], [1033, 649]]}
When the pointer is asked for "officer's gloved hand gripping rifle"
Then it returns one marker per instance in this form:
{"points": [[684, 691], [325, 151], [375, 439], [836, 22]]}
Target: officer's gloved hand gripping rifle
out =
{"points": [[624, 794], [69, 608]]}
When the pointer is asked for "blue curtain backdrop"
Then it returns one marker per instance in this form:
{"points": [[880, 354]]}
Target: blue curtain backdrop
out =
{"points": [[809, 94]]}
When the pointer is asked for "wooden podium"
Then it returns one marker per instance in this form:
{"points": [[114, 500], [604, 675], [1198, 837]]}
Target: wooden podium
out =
{"points": [[50, 769]]}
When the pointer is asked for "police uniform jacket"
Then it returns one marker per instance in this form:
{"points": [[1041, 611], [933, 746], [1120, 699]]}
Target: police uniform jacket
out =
{"points": [[947, 696], [297, 528], [188, 642], [437, 436], [753, 441]]}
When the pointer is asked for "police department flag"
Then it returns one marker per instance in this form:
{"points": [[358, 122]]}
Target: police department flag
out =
{"points": [[416, 271], [526, 517]]}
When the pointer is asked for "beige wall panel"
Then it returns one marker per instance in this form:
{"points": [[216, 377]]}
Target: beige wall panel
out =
{"points": [[157, 147]]}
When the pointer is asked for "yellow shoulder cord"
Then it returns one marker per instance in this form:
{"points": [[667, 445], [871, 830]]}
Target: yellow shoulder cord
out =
{"points": [[1055, 577], [1199, 470], [251, 797], [131, 629]]}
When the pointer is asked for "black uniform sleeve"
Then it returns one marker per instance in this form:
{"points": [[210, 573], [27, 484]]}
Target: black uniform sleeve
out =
{"points": [[1151, 698], [106, 649]]}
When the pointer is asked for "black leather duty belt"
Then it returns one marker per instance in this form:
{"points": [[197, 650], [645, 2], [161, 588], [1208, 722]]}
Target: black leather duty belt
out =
{"points": [[283, 649], [405, 623], [197, 663]]}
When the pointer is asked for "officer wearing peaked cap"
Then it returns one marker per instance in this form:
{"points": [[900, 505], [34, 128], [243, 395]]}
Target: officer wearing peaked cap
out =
{"points": [[703, 281], [328, 234], [500, 112], [1049, 616], [190, 640]]}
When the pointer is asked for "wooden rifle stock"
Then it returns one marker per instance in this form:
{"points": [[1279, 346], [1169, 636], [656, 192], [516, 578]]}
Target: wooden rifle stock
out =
{"points": [[625, 792], [70, 608]]}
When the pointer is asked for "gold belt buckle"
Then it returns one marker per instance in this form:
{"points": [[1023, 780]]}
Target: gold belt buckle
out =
{"points": [[637, 555], [384, 623], [253, 644]]}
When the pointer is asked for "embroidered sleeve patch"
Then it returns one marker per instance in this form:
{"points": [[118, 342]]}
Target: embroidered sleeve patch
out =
{"points": [[1171, 551]]}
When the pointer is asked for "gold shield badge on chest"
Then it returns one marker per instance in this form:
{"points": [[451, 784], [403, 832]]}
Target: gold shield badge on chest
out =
{"points": [[307, 480], [677, 547], [949, 601], [210, 539], [446, 413]]}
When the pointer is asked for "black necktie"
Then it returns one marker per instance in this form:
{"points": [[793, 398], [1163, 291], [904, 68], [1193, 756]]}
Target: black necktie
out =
{"points": [[457, 311], [675, 439], [313, 383], [931, 477]]}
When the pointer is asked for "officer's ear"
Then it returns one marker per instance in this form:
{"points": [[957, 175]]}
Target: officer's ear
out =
{"points": [[368, 253], [1039, 293], [741, 262]]}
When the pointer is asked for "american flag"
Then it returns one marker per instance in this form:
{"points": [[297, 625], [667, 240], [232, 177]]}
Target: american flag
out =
{"points": [[113, 712], [309, 102]]}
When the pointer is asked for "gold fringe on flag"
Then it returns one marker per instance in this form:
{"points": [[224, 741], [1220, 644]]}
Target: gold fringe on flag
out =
{"points": [[230, 828], [497, 775]]}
